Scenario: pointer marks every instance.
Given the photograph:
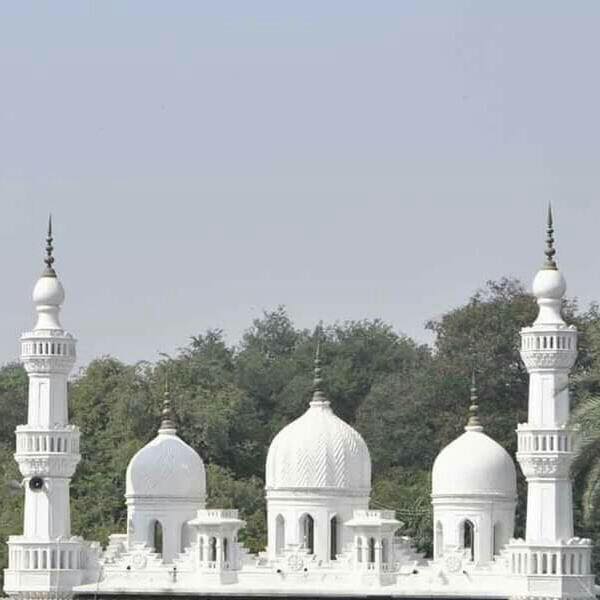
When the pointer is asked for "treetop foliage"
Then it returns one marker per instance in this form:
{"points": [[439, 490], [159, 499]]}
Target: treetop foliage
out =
{"points": [[407, 399]]}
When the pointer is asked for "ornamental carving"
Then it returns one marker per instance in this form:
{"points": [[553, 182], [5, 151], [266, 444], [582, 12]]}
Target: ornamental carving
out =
{"points": [[50, 466], [295, 562], [139, 561], [548, 359], [453, 563], [49, 364], [543, 465], [318, 450], [47, 333]]}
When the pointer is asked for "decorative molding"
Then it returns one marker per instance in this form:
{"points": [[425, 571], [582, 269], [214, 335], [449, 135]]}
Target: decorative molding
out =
{"points": [[542, 464], [549, 359], [49, 465], [49, 364]]}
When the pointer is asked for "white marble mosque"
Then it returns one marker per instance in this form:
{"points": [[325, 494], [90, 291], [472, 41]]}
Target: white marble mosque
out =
{"points": [[323, 538]]}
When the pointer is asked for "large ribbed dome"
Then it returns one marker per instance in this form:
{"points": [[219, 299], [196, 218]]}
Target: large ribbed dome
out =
{"points": [[474, 464], [319, 450]]}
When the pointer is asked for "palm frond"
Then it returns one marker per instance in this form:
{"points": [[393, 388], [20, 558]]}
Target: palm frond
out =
{"points": [[591, 495]]}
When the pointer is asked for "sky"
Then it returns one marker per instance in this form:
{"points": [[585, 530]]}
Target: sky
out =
{"points": [[207, 161]]}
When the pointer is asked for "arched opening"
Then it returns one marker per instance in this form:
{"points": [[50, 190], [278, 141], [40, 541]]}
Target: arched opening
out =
{"points": [[468, 538], [497, 541], [371, 550], [186, 537], [157, 537], [212, 549], [225, 550], [307, 525], [333, 538], [439, 540], [279, 535]]}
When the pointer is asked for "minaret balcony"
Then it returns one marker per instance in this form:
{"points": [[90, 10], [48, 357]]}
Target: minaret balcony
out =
{"points": [[63, 440], [58, 554], [48, 351], [37, 566], [572, 557], [546, 452], [543, 348], [560, 440]]}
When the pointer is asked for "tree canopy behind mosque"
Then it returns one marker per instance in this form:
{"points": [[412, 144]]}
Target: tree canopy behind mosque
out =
{"points": [[407, 399]]}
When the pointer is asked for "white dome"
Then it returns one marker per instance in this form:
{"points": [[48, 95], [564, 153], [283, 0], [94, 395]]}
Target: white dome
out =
{"points": [[474, 464], [319, 450], [48, 291], [166, 467], [549, 283]]}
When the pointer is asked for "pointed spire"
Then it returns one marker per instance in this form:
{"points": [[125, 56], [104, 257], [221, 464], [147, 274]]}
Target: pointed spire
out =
{"points": [[550, 250], [168, 420], [318, 394], [49, 260], [474, 424]]}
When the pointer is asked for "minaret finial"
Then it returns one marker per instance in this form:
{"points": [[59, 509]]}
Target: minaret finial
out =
{"points": [[318, 395], [168, 421], [550, 250], [49, 260], [474, 424]]}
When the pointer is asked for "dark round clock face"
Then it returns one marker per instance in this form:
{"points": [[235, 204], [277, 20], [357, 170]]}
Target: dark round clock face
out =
{"points": [[36, 484]]}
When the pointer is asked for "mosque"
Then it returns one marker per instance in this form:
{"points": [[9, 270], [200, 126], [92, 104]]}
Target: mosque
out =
{"points": [[323, 538]]}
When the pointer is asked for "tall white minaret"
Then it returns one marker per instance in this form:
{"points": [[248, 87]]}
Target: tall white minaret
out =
{"points": [[46, 559], [556, 563]]}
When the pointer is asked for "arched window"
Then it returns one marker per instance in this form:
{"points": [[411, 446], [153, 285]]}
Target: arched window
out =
{"points": [[212, 549], [468, 538], [371, 550], [307, 524], [225, 550], [333, 538], [279, 535], [439, 540], [359, 549], [157, 537], [186, 537], [497, 538]]}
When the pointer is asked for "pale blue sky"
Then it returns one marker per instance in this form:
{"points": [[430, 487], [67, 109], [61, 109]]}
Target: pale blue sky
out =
{"points": [[206, 161]]}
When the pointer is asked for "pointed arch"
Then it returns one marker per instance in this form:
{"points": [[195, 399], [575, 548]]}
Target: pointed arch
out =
{"points": [[225, 549], [279, 535], [371, 550], [156, 536], [212, 549], [467, 537], [333, 537], [439, 540], [497, 541], [307, 533]]}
